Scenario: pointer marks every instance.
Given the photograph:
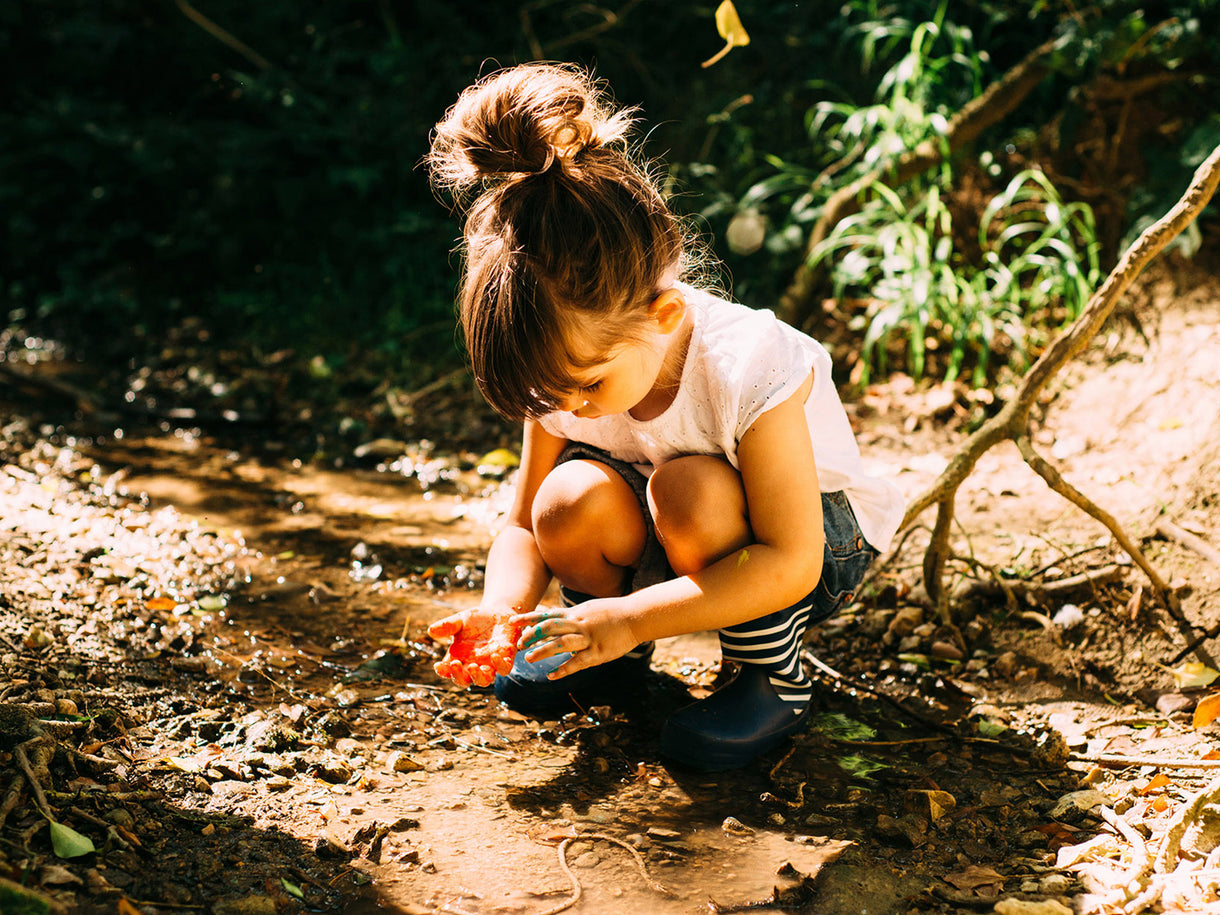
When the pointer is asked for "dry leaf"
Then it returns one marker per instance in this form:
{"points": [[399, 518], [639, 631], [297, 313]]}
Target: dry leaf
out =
{"points": [[1156, 783], [1193, 674], [728, 24], [160, 603], [974, 877], [1207, 710]]}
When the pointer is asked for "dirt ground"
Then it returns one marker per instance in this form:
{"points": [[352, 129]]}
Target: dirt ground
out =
{"points": [[215, 671]]}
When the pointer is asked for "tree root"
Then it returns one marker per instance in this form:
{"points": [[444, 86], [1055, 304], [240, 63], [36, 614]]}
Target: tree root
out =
{"points": [[577, 891], [1012, 422], [1182, 865]]}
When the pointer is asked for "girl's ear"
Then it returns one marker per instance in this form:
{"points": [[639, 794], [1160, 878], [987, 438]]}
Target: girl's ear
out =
{"points": [[667, 310]]}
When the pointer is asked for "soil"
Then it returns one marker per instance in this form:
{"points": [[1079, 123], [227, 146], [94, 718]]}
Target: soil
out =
{"points": [[216, 668]]}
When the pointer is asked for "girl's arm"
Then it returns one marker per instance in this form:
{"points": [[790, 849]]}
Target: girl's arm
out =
{"points": [[781, 566], [516, 578]]}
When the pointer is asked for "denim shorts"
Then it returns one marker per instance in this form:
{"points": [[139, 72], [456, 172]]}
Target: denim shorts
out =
{"points": [[845, 558]]}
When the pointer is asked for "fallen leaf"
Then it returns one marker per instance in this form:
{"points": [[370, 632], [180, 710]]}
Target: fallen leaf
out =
{"points": [[164, 604], [68, 843], [975, 876], [1156, 783], [1206, 711], [1193, 674]]}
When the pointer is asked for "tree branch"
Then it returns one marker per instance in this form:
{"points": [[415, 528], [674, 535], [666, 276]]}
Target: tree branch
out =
{"points": [[1012, 422]]}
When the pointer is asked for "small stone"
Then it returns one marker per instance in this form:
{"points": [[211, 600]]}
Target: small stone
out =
{"points": [[399, 761], [820, 819], [588, 859], [1006, 665], [663, 835], [1055, 884], [946, 651], [1074, 807], [333, 771], [278, 783], [776, 819], [735, 827], [905, 621]]}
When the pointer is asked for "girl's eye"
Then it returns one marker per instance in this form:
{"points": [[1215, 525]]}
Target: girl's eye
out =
{"points": [[591, 387]]}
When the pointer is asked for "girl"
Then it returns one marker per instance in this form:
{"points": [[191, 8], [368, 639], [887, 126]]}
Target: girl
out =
{"points": [[687, 464]]}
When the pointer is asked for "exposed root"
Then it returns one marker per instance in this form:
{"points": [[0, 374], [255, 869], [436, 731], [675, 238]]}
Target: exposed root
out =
{"points": [[577, 890]]}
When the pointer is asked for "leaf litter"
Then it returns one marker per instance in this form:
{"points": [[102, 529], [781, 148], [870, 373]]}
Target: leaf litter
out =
{"points": [[237, 722]]}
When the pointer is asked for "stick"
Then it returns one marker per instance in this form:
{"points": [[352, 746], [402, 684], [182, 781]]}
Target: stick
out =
{"points": [[1163, 762], [1171, 531]]}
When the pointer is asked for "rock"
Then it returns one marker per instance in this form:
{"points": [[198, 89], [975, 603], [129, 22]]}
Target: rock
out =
{"points": [[735, 827], [1055, 884], [1006, 665], [588, 859], [663, 835], [1074, 807], [905, 621], [1052, 751], [907, 826], [946, 651], [398, 761], [334, 771]]}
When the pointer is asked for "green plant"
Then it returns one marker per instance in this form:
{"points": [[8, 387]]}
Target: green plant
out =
{"points": [[1038, 267]]}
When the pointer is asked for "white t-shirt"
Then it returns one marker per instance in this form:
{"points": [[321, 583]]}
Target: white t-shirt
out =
{"points": [[740, 363]]}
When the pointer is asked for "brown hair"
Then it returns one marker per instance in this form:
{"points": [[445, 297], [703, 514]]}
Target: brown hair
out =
{"points": [[563, 230]]}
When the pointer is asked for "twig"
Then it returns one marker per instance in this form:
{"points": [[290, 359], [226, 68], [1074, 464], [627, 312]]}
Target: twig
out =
{"points": [[24, 761], [1171, 531], [1163, 762], [224, 37]]}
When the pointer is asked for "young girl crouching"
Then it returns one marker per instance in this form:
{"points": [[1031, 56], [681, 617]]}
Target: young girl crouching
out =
{"points": [[687, 464]]}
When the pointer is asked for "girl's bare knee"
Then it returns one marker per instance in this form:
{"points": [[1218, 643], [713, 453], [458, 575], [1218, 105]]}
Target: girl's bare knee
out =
{"points": [[699, 508], [586, 518]]}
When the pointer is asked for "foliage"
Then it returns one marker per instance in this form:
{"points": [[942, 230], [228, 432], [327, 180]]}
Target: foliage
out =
{"points": [[256, 166], [1038, 266]]}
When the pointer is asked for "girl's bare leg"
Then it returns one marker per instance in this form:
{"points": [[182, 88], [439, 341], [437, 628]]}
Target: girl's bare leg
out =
{"points": [[699, 508], [589, 527]]}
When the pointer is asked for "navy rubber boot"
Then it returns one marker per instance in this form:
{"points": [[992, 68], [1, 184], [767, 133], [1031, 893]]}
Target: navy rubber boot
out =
{"points": [[734, 725]]}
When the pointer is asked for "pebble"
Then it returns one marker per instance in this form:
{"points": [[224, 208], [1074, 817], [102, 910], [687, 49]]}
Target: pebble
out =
{"points": [[734, 826], [588, 859]]}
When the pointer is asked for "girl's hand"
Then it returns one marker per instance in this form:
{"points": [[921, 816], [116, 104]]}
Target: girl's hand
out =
{"points": [[594, 632], [484, 644]]}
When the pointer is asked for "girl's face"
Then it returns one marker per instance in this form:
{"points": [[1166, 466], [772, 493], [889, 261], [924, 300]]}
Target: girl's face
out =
{"points": [[638, 376]]}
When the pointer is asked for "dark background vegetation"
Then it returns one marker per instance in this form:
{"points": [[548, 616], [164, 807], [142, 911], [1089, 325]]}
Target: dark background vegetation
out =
{"points": [[250, 172]]}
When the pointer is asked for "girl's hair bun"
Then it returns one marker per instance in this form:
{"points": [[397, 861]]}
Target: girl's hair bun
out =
{"points": [[524, 120]]}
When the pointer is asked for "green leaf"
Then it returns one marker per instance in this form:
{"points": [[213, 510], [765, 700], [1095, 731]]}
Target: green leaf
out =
{"points": [[68, 843], [292, 889]]}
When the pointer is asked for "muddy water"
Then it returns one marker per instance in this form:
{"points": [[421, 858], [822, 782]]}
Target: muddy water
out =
{"points": [[343, 564]]}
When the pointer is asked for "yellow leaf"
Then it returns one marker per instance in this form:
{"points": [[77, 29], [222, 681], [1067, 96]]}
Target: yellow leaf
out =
{"points": [[1193, 674], [1207, 710], [160, 603], [728, 24]]}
